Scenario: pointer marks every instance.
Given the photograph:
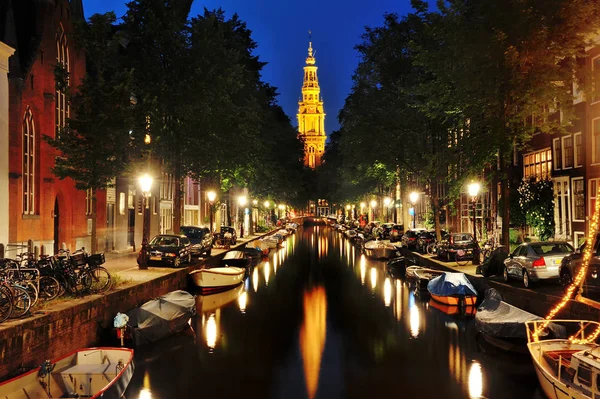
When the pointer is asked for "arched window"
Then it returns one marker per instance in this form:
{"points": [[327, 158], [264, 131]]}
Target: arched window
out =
{"points": [[28, 164], [62, 58]]}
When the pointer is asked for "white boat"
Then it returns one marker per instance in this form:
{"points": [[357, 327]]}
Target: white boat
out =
{"points": [[567, 368], [84, 373], [218, 278], [379, 249], [212, 302]]}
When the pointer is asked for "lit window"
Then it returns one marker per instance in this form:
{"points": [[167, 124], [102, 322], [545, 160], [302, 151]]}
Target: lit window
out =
{"points": [[29, 165], [121, 203], [538, 164], [62, 58]]}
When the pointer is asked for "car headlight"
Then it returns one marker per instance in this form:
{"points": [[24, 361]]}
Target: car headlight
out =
{"points": [[170, 255]]}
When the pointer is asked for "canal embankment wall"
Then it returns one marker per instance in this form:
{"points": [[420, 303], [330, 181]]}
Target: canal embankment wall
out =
{"points": [[527, 299]]}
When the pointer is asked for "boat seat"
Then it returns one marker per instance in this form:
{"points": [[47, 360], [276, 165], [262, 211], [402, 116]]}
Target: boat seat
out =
{"points": [[87, 369]]}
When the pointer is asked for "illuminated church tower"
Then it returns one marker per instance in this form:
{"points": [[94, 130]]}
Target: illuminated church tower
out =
{"points": [[311, 118]]}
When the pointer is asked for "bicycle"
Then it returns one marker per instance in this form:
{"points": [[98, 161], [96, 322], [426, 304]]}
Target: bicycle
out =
{"points": [[461, 257], [488, 248], [432, 248]]}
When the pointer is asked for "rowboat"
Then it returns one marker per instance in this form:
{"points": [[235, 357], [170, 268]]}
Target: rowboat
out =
{"points": [[566, 367], [86, 373], [218, 278], [421, 276], [452, 289]]}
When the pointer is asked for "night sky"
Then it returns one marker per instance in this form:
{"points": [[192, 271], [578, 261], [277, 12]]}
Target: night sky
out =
{"points": [[280, 27]]}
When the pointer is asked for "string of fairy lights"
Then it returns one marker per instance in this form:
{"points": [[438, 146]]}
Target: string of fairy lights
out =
{"points": [[579, 278]]}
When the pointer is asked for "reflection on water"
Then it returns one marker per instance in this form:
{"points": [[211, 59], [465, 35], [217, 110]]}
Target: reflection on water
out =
{"points": [[312, 336], [314, 322], [475, 381]]}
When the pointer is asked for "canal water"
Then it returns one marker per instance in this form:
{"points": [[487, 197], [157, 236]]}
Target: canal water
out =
{"points": [[319, 320]]}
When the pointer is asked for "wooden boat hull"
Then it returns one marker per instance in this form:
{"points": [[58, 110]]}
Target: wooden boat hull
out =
{"points": [[463, 300], [218, 278], [89, 372]]}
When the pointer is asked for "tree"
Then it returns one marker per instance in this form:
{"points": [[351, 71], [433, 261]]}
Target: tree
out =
{"points": [[94, 146]]}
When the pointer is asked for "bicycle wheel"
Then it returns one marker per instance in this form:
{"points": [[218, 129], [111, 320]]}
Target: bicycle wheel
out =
{"points": [[33, 292], [5, 303], [49, 288], [432, 249], [21, 301], [461, 258], [98, 279]]}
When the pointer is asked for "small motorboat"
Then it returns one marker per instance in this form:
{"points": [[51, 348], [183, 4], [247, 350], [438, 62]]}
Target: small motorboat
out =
{"points": [[218, 278], [453, 310], [235, 258], [566, 367], [379, 250], [423, 276], [255, 254], [259, 245], [503, 325], [85, 373], [452, 289], [160, 317]]}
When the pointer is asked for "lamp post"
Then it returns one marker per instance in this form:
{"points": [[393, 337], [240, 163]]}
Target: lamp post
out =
{"points": [[254, 217], [414, 197], [473, 193], [373, 204], [348, 207], [146, 186], [387, 201], [267, 204], [212, 196], [242, 201]]}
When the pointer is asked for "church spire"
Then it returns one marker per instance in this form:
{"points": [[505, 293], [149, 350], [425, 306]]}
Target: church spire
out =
{"points": [[310, 60]]}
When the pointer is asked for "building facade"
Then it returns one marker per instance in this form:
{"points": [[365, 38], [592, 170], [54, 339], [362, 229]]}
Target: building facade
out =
{"points": [[311, 116], [42, 208]]}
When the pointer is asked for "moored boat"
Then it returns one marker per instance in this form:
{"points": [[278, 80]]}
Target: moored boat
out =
{"points": [[218, 278], [503, 325], [566, 367], [423, 276], [379, 250], [235, 258], [84, 373], [452, 289], [212, 302]]}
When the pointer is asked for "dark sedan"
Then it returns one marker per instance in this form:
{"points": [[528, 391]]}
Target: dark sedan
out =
{"points": [[168, 249], [571, 264], [452, 243], [201, 239]]}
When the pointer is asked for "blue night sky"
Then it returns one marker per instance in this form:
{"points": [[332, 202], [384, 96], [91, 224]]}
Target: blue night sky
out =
{"points": [[280, 28]]}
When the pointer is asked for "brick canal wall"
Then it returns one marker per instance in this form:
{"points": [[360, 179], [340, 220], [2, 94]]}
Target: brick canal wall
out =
{"points": [[527, 299]]}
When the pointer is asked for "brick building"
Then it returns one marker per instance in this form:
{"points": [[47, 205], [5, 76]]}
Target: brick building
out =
{"points": [[41, 207]]}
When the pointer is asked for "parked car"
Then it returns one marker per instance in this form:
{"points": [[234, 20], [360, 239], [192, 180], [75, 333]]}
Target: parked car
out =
{"points": [[409, 239], [386, 230], [201, 239], [536, 261], [168, 249], [426, 237], [570, 265], [227, 231], [396, 232], [454, 242]]}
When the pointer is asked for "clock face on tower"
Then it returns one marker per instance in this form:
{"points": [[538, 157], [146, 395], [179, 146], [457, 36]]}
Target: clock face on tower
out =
{"points": [[311, 108]]}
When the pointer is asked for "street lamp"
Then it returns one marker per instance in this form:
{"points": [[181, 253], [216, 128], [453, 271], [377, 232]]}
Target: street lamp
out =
{"points": [[414, 197], [473, 193], [242, 201], [254, 217], [387, 201], [267, 204], [212, 196], [146, 186]]}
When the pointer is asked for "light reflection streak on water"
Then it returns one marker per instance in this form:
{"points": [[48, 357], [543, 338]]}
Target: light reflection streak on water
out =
{"points": [[387, 292], [398, 309], [146, 392], [415, 317], [313, 335], [255, 279], [243, 301], [373, 278], [475, 380], [267, 272], [363, 269], [211, 331]]}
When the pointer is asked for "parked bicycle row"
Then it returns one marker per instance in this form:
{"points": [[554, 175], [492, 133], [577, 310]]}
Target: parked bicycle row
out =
{"points": [[25, 280]]}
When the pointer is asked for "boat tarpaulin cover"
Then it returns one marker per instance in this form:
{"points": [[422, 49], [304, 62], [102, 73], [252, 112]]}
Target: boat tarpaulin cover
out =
{"points": [[449, 284], [161, 317], [503, 320]]}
